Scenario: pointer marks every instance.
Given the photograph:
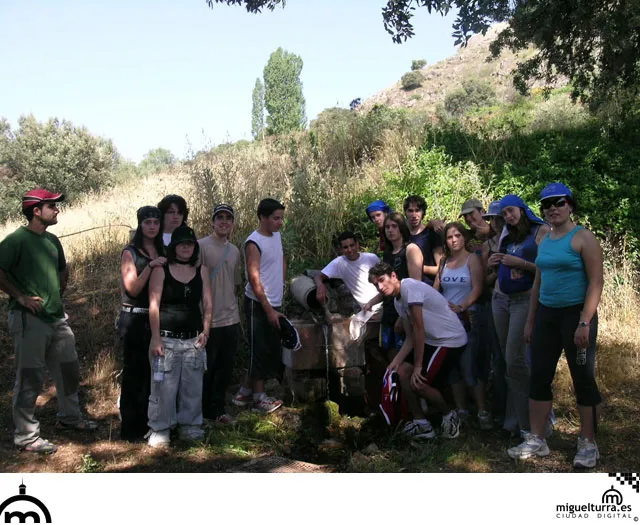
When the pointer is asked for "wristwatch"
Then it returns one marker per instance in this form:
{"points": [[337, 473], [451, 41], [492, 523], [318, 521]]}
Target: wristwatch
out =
{"points": [[583, 323]]}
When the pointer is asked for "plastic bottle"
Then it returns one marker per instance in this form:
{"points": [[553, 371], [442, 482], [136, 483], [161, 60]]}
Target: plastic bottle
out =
{"points": [[158, 369]]}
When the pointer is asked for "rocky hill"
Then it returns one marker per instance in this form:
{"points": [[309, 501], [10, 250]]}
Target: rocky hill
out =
{"points": [[447, 75]]}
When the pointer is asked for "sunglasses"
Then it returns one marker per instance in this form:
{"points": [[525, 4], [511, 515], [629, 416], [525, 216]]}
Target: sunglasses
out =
{"points": [[557, 203]]}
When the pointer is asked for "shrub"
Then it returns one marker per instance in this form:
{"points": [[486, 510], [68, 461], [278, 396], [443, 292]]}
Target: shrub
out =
{"points": [[411, 80], [473, 94], [418, 64]]}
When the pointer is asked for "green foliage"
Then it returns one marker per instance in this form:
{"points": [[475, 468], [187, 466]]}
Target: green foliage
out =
{"points": [[418, 64], [90, 465], [411, 80], [257, 110], [473, 94], [56, 155], [283, 98], [155, 161]]}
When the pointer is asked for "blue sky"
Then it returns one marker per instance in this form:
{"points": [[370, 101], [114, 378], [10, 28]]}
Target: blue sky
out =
{"points": [[154, 73]]}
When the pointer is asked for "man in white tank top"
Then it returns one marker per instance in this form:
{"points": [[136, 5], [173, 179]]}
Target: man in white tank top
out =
{"points": [[265, 270]]}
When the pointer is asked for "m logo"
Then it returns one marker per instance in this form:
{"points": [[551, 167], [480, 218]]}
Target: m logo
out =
{"points": [[32, 510], [612, 496]]}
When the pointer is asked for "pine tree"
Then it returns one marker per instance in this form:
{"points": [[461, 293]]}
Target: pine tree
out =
{"points": [[257, 111]]}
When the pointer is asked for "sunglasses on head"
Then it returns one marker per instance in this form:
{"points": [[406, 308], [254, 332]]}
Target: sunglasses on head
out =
{"points": [[556, 203]]}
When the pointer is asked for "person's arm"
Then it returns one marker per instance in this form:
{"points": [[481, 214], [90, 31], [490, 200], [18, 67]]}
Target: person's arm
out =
{"points": [[432, 271], [131, 281], [490, 273], [407, 346], [534, 300], [207, 307], [156, 284], [417, 323], [477, 282], [64, 280], [321, 289], [517, 262], [437, 285], [414, 261], [591, 253], [31, 303], [252, 255], [437, 225], [377, 299]]}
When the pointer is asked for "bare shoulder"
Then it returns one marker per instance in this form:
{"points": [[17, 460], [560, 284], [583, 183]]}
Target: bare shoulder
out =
{"points": [[542, 231], [585, 239]]}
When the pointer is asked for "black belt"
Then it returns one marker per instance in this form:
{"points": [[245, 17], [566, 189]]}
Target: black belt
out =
{"points": [[134, 309], [179, 335]]}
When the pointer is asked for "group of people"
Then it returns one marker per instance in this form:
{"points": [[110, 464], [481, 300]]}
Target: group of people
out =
{"points": [[491, 300]]}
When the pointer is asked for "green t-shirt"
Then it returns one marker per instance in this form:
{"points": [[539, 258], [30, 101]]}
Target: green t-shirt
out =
{"points": [[32, 263]]}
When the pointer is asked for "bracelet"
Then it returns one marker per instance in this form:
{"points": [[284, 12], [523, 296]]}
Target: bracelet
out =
{"points": [[583, 324]]}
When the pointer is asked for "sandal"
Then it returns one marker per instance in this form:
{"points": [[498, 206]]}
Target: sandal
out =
{"points": [[40, 446], [84, 425]]}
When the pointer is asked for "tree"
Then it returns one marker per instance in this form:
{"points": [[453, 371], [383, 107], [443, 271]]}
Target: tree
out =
{"points": [[473, 94], [156, 160], [257, 110], [283, 97], [593, 43], [417, 65], [411, 80]]}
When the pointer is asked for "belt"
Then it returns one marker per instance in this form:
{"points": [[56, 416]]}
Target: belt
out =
{"points": [[179, 335], [134, 310]]}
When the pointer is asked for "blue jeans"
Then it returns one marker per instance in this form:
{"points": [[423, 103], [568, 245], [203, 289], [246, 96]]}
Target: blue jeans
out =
{"points": [[510, 316], [178, 398]]}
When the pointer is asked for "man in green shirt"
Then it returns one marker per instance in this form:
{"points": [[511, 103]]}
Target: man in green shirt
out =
{"points": [[33, 272]]}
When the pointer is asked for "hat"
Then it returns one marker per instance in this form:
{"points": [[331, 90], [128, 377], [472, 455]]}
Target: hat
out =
{"points": [[289, 336], [494, 210], [378, 206], [555, 189], [148, 212], [33, 197], [183, 234], [469, 206], [223, 207], [514, 200]]}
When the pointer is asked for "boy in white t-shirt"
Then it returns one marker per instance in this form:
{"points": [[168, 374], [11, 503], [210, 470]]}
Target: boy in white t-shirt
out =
{"points": [[353, 268], [436, 338]]}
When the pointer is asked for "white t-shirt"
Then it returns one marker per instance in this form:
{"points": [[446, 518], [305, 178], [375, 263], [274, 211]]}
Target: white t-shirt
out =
{"points": [[441, 325], [271, 267], [166, 238], [355, 275]]}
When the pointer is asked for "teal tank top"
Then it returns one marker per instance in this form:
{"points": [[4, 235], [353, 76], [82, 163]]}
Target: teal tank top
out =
{"points": [[563, 277]]}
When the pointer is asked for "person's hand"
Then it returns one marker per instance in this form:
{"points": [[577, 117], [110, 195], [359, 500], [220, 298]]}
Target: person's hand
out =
{"points": [[513, 261], [158, 261], [495, 259], [201, 341], [367, 307], [394, 365], [417, 379], [31, 303], [528, 330], [157, 348], [273, 316], [581, 337], [321, 293], [438, 225], [455, 308]]}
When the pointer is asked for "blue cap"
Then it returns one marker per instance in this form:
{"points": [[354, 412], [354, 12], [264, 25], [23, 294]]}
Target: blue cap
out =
{"points": [[494, 210], [555, 189], [378, 206], [514, 200]]}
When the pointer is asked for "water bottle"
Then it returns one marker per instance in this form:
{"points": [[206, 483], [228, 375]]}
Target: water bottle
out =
{"points": [[158, 369], [581, 356]]}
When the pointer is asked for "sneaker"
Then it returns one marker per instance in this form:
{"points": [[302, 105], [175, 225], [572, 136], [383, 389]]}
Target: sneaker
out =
{"points": [[159, 439], [531, 446], [463, 415], [485, 420], [450, 427], [40, 446], [241, 400], [266, 404], [587, 454], [191, 433], [416, 430], [83, 425]]}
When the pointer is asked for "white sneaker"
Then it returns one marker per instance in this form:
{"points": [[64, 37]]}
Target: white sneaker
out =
{"points": [[587, 454], [450, 427], [160, 439], [416, 430], [531, 446], [266, 404], [485, 420]]}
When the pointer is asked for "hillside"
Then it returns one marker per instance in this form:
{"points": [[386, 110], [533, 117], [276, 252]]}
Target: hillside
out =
{"points": [[447, 75]]}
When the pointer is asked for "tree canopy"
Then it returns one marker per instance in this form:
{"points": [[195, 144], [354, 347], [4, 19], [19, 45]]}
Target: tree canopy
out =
{"points": [[595, 44]]}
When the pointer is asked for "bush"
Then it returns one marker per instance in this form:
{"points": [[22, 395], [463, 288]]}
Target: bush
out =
{"points": [[418, 64], [55, 155], [472, 94], [411, 80]]}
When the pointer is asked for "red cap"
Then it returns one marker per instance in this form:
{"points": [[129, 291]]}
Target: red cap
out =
{"points": [[33, 197]]}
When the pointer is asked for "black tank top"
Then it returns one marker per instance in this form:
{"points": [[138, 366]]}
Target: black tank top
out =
{"points": [[398, 262], [180, 303], [141, 261]]}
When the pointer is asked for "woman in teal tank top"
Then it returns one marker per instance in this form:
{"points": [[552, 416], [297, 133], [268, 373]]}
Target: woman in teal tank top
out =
{"points": [[562, 316]]}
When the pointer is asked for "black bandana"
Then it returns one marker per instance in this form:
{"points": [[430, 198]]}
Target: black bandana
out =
{"points": [[148, 212]]}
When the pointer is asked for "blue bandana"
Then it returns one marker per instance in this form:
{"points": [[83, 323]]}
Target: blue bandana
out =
{"points": [[378, 206], [514, 200]]}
